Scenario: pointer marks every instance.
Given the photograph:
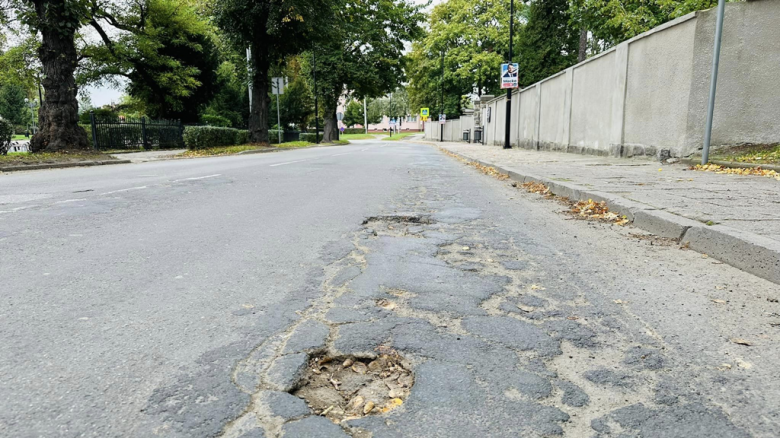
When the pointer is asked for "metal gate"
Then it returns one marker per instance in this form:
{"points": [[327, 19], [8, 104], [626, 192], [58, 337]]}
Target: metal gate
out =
{"points": [[126, 133]]}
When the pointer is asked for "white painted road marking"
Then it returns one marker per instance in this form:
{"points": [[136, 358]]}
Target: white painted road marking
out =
{"points": [[14, 210], [289, 162], [199, 177], [69, 200], [123, 190]]}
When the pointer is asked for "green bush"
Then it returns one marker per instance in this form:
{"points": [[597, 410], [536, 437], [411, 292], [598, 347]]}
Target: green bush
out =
{"points": [[214, 120], [308, 136], [6, 134], [354, 131], [202, 137], [242, 136]]}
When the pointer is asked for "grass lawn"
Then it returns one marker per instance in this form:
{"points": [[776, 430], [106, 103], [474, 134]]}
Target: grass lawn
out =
{"points": [[401, 136], [765, 154], [357, 136], [22, 158], [18, 137], [232, 150], [221, 150]]}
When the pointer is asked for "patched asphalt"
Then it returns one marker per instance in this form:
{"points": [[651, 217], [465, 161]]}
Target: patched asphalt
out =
{"points": [[192, 308]]}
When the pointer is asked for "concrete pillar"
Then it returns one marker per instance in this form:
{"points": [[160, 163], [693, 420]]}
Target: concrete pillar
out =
{"points": [[537, 125], [617, 131], [567, 104]]}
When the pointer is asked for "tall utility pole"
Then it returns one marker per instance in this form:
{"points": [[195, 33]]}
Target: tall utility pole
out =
{"points": [[316, 100], [705, 153], [441, 108], [278, 111], [508, 119], [365, 114]]}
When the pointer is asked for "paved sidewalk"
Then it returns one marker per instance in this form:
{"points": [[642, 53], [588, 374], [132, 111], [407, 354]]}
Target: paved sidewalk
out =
{"points": [[735, 219], [748, 203]]}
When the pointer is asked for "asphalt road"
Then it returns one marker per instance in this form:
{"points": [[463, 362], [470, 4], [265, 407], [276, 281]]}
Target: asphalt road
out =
{"points": [[174, 298]]}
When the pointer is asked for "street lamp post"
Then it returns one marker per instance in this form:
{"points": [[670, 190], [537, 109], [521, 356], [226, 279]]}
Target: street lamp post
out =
{"points": [[316, 100], [705, 153], [441, 90], [508, 119]]}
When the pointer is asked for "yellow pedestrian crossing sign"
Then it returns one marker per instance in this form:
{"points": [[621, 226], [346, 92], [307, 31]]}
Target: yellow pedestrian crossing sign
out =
{"points": [[425, 112]]}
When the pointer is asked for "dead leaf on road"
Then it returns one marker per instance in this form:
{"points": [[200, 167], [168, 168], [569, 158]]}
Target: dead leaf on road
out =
{"points": [[741, 342], [719, 301]]}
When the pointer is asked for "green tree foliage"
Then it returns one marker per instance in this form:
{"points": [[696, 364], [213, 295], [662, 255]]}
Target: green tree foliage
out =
{"points": [[12, 105], [231, 100], [613, 21], [165, 48], [353, 114], [376, 110], [547, 43], [272, 29], [361, 56], [296, 104], [474, 36], [19, 64]]}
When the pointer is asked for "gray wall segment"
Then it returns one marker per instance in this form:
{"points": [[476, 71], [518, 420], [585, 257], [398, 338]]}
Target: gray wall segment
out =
{"points": [[658, 88], [748, 83], [529, 101], [650, 92], [592, 100], [554, 119]]}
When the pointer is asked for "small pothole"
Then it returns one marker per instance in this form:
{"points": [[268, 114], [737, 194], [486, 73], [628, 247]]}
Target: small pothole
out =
{"points": [[400, 218], [347, 387]]}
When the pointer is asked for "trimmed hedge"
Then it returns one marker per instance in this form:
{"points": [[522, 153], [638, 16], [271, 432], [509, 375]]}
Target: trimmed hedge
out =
{"points": [[214, 120], [354, 131], [202, 137], [308, 136]]}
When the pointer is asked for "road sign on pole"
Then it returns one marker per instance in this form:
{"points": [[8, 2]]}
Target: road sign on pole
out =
{"points": [[277, 88], [425, 112], [442, 119]]}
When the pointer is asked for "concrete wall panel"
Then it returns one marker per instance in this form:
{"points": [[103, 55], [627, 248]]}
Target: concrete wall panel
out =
{"points": [[658, 88], [554, 113], [592, 100]]}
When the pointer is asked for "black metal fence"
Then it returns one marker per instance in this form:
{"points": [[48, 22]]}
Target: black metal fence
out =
{"points": [[126, 133]]}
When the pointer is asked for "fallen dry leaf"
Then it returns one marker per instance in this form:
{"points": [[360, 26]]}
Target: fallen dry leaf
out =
{"points": [[618, 301], [756, 171], [719, 301], [742, 364], [368, 407], [347, 363], [741, 342]]}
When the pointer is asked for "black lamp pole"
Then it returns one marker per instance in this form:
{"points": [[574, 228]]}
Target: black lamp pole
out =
{"points": [[507, 140], [441, 110], [316, 101]]}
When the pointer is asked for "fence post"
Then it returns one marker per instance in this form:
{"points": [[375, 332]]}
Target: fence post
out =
{"points": [[143, 132], [94, 129]]}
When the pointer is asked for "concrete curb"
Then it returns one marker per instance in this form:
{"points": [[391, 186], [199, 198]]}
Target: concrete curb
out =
{"points": [[63, 165], [747, 251], [259, 151]]}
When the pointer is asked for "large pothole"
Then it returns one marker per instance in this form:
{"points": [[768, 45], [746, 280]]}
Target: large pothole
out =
{"points": [[346, 387]]}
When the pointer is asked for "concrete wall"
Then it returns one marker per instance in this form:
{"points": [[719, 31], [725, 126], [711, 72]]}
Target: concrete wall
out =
{"points": [[649, 94], [657, 91], [528, 117], [748, 99], [554, 111], [591, 110]]}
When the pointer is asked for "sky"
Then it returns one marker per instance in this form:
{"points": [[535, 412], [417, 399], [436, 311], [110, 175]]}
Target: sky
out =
{"points": [[106, 95]]}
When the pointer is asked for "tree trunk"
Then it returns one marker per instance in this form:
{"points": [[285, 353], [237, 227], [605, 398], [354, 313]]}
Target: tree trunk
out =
{"points": [[261, 103], [331, 131], [58, 118], [583, 54]]}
